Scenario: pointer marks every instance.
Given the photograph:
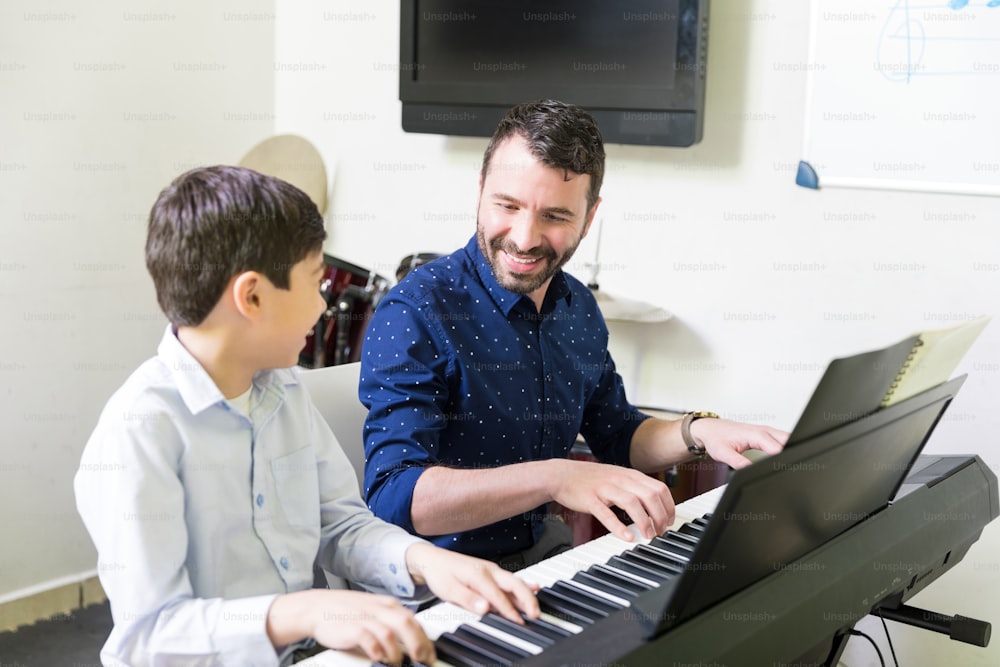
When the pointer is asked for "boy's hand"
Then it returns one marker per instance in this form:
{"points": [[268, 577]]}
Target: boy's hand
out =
{"points": [[378, 625], [475, 584]]}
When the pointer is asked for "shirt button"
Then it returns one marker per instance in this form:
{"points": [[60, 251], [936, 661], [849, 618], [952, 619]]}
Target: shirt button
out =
{"points": [[284, 562], [260, 500]]}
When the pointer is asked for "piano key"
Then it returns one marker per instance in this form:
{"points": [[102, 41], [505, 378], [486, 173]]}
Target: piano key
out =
{"points": [[646, 573], [406, 662], [560, 608], [575, 601], [686, 538], [512, 640], [691, 529], [627, 579], [456, 653], [618, 597], [528, 632], [548, 620], [670, 554], [661, 568], [588, 597], [489, 644], [611, 582], [673, 561], [444, 617], [672, 542]]}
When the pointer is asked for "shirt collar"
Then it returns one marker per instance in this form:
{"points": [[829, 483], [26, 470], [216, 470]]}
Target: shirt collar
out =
{"points": [[503, 297], [196, 387]]}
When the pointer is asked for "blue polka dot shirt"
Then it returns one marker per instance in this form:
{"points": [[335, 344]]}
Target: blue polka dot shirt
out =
{"points": [[457, 370]]}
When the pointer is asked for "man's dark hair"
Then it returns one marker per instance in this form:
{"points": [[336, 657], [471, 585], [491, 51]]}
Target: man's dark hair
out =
{"points": [[560, 135], [213, 223]]}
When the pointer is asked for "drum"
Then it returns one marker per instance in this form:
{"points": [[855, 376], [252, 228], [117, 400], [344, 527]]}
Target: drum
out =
{"points": [[351, 293], [411, 262]]}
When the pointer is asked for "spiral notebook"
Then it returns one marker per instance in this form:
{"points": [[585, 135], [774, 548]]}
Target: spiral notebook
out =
{"points": [[856, 386], [933, 359]]}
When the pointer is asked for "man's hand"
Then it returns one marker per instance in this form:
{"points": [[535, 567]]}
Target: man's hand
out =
{"points": [[475, 584], [595, 488], [726, 441]]}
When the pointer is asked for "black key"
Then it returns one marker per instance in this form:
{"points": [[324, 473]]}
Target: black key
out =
{"points": [[686, 538], [702, 520], [668, 560], [550, 630], [691, 529], [458, 655], [638, 570], [489, 642], [586, 599], [656, 565], [603, 584], [672, 546], [525, 632], [559, 607], [480, 653], [676, 540], [615, 577], [406, 663]]}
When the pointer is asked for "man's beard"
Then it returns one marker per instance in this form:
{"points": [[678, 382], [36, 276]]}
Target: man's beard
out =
{"points": [[516, 282]]}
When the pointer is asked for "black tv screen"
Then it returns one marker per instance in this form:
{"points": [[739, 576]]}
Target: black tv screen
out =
{"points": [[637, 65]]}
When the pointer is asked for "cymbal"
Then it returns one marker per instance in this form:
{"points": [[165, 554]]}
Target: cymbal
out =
{"points": [[292, 159], [620, 309]]}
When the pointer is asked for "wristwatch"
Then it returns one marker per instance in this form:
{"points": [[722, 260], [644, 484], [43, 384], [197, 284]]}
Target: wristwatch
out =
{"points": [[693, 445]]}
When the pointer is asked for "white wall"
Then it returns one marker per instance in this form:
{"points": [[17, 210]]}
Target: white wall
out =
{"points": [[101, 105], [768, 281]]}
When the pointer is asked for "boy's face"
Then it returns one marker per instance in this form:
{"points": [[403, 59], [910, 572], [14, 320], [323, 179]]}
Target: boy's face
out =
{"points": [[291, 314]]}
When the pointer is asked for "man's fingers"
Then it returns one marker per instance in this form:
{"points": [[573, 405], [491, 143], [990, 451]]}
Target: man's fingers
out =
{"points": [[608, 519], [651, 509]]}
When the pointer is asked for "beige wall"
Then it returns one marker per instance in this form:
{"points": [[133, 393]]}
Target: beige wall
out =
{"points": [[101, 104]]}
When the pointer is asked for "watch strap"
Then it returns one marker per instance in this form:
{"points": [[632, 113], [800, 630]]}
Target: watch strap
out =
{"points": [[693, 445]]}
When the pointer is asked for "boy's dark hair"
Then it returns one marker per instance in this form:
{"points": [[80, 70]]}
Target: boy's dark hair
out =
{"points": [[558, 134], [212, 223]]}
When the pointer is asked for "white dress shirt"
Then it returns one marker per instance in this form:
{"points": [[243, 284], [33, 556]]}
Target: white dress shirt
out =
{"points": [[201, 514]]}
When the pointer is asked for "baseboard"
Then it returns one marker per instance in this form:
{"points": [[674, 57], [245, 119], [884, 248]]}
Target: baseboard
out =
{"points": [[39, 603]]}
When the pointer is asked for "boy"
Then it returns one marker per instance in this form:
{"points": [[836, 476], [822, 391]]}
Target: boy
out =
{"points": [[212, 487]]}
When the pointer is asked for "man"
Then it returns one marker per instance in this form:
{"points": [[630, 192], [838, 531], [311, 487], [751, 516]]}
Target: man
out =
{"points": [[480, 369]]}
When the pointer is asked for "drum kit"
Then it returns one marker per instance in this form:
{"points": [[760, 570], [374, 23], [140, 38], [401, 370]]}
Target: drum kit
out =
{"points": [[352, 292]]}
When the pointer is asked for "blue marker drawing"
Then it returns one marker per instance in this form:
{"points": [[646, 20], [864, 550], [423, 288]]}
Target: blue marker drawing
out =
{"points": [[907, 49]]}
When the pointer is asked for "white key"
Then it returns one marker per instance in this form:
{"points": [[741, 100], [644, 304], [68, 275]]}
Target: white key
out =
{"points": [[502, 636]]}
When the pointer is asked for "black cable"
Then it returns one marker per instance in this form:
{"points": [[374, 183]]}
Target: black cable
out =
{"points": [[858, 633], [887, 637]]}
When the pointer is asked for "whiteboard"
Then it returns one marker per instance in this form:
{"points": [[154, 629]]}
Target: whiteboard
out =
{"points": [[903, 95]]}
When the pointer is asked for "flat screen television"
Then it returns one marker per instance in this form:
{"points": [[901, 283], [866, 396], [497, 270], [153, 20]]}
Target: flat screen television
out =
{"points": [[637, 65]]}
